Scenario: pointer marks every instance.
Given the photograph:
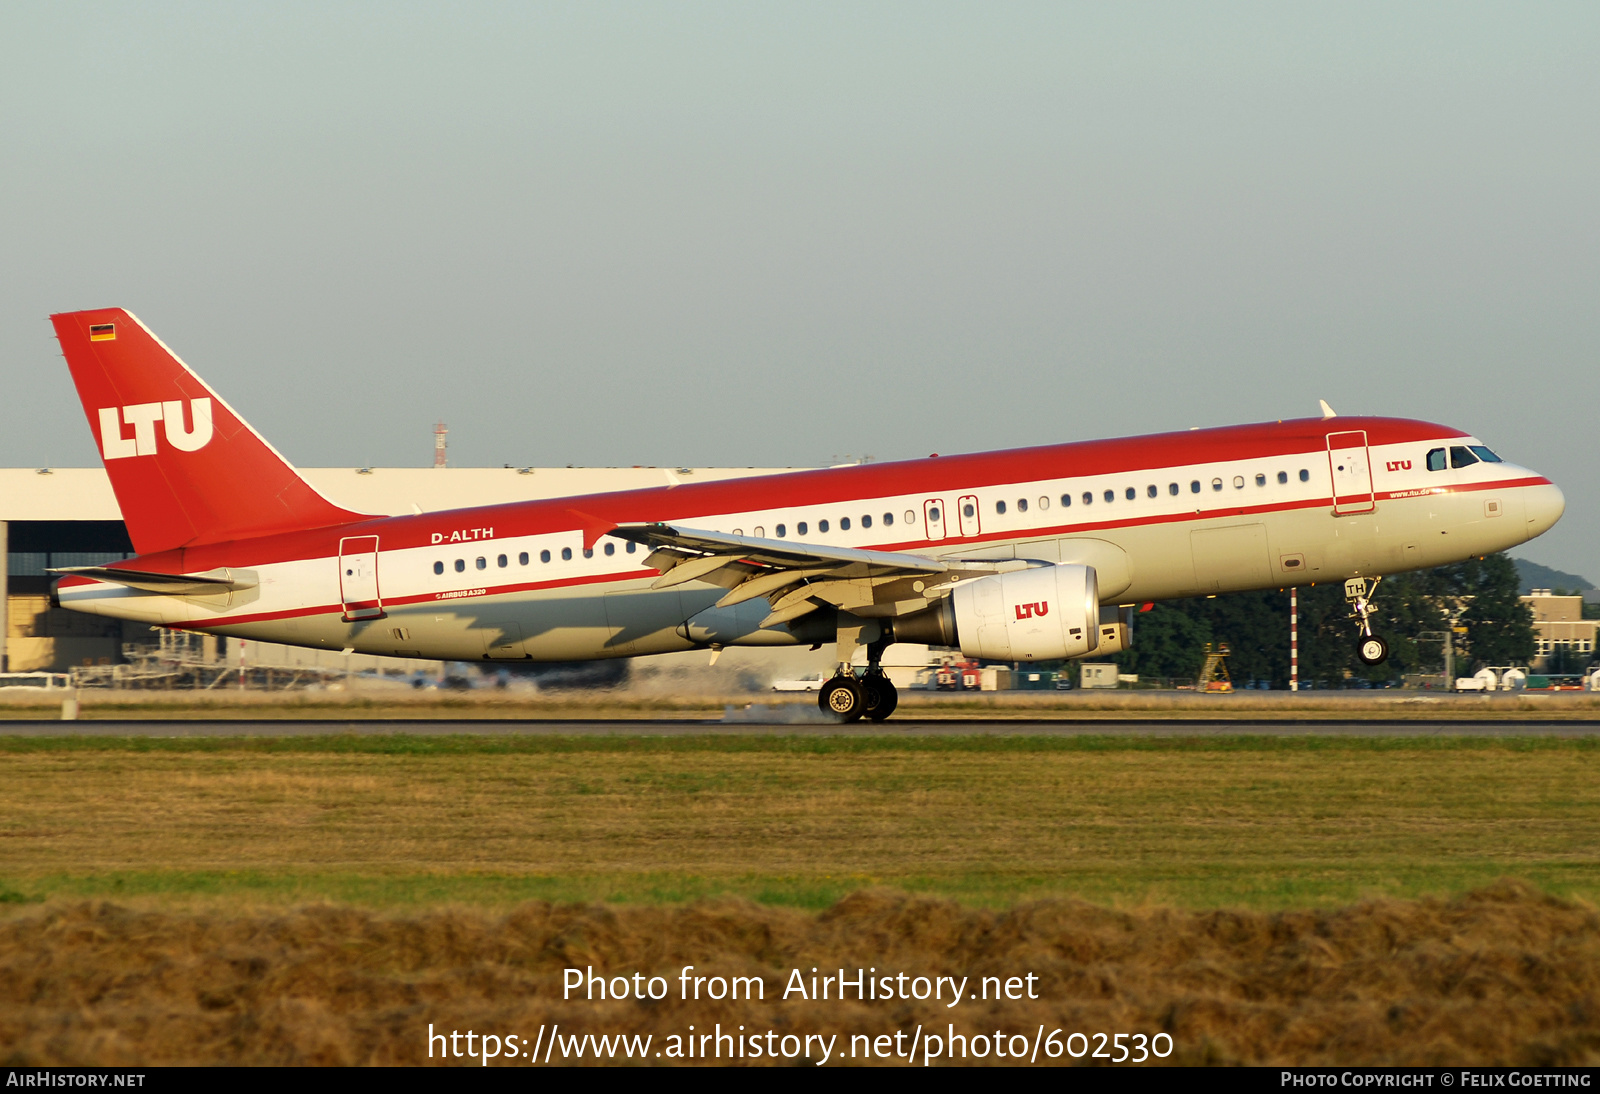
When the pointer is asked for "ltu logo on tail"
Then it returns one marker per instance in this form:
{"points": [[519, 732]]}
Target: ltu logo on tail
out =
{"points": [[143, 418], [1038, 609]]}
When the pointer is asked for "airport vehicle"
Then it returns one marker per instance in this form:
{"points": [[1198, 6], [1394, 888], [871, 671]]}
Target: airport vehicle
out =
{"points": [[1032, 554], [804, 683]]}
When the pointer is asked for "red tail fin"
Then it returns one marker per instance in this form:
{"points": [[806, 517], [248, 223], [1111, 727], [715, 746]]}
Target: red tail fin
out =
{"points": [[186, 469]]}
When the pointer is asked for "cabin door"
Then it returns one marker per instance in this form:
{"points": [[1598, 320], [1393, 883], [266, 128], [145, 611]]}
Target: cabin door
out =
{"points": [[1352, 472], [358, 578]]}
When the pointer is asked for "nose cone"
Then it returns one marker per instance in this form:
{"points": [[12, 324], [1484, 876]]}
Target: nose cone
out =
{"points": [[1545, 504]]}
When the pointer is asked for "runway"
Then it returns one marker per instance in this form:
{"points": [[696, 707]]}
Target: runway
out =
{"points": [[754, 724]]}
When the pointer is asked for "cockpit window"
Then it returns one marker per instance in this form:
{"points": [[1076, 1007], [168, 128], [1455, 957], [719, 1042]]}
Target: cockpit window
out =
{"points": [[1484, 454], [1436, 459], [1461, 457]]}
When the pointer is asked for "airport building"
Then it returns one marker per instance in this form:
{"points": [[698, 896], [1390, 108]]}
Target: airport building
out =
{"points": [[52, 517], [1559, 626]]}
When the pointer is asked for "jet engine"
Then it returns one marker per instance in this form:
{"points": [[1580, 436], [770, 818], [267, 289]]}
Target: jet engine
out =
{"points": [[1048, 613]]}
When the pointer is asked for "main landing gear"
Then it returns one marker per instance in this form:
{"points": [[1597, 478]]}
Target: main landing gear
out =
{"points": [[871, 695], [1358, 591], [850, 698]]}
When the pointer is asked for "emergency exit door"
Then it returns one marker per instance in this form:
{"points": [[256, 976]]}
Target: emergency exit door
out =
{"points": [[1352, 472], [968, 512], [358, 578], [933, 515]]}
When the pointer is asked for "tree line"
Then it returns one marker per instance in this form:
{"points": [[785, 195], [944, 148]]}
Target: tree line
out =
{"points": [[1481, 595]]}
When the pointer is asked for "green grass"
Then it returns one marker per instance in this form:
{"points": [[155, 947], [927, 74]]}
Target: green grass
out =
{"points": [[406, 821]]}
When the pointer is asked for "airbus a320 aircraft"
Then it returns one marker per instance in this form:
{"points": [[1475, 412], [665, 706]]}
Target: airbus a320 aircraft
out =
{"points": [[1033, 554]]}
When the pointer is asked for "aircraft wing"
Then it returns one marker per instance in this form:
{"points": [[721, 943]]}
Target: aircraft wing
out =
{"points": [[798, 578]]}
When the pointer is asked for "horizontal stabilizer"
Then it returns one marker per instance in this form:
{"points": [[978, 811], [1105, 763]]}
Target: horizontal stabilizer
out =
{"points": [[215, 582]]}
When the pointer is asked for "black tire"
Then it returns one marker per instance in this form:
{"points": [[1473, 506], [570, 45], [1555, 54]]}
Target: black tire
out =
{"points": [[1372, 650], [844, 698], [882, 697]]}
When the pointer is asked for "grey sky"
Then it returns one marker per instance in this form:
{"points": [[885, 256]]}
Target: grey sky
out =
{"points": [[762, 234]]}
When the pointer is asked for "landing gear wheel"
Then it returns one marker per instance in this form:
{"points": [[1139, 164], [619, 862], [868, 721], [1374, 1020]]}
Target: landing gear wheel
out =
{"points": [[844, 698], [882, 697], [1373, 650]]}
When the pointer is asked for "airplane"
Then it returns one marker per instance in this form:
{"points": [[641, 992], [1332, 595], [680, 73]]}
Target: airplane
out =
{"points": [[1027, 555]]}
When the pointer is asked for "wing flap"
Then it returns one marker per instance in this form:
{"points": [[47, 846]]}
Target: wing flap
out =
{"points": [[799, 578]]}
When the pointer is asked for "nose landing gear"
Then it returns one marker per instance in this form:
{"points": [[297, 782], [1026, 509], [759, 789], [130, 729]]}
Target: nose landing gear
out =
{"points": [[1358, 591]]}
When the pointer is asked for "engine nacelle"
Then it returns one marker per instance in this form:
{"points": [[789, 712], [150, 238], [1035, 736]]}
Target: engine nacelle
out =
{"points": [[1048, 613]]}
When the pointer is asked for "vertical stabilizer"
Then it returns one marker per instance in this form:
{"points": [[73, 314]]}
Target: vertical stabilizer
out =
{"points": [[186, 469]]}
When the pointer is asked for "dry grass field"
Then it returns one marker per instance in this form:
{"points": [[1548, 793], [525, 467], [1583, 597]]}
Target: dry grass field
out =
{"points": [[1503, 975], [1267, 900]]}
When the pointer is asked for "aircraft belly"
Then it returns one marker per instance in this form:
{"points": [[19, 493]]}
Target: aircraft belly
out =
{"points": [[1231, 557], [648, 621]]}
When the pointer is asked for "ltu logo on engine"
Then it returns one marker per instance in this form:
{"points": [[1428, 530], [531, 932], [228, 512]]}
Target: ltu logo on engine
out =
{"points": [[143, 418], [1038, 608]]}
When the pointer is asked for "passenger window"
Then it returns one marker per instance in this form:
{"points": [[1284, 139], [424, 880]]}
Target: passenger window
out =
{"points": [[738, 531], [781, 531], [969, 510], [631, 546], [1261, 480], [502, 561], [1044, 503], [1130, 493], [1111, 495], [1216, 484], [1022, 505], [1172, 488], [822, 527], [461, 565], [844, 524], [1194, 487], [611, 549], [1151, 491], [483, 563], [438, 567], [800, 529], [1484, 454], [1305, 476], [1460, 457], [759, 532], [1066, 501], [1088, 498], [933, 514], [888, 519], [588, 552], [566, 554], [866, 520], [911, 518], [522, 559], [999, 507], [1238, 482], [1283, 477], [544, 556]]}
